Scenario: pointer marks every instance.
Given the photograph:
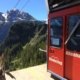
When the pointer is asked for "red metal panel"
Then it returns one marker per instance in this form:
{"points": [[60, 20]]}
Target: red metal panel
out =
{"points": [[56, 57], [65, 12], [72, 58], [71, 67], [56, 61]]}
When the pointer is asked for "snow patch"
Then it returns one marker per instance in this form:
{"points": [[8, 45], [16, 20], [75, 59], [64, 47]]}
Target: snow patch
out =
{"points": [[21, 19], [5, 16]]}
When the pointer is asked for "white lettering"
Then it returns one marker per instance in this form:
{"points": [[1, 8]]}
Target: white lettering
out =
{"points": [[73, 54], [56, 61]]}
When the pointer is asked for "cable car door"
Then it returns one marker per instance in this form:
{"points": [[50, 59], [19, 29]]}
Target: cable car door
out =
{"points": [[72, 65], [55, 46]]}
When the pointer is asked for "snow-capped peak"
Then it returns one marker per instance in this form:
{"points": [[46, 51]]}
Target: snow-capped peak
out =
{"points": [[5, 15], [16, 15], [14, 9]]}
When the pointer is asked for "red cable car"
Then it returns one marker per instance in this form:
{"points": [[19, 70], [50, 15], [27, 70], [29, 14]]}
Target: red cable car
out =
{"points": [[64, 39]]}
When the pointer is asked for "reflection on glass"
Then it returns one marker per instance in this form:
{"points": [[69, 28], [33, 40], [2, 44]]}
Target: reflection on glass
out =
{"points": [[51, 32], [55, 41], [56, 31], [74, 42]]}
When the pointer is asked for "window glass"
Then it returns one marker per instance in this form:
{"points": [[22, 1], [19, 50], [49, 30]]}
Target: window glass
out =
{"points": [[74, 24], [56, 31]]}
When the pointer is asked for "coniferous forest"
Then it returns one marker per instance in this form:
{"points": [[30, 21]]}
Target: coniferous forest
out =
{"points": [[21, 47]]}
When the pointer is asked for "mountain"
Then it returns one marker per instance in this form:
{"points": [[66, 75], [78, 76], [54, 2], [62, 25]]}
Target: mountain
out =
{"points": [[22, 36], [10, 18], [16, 15]]}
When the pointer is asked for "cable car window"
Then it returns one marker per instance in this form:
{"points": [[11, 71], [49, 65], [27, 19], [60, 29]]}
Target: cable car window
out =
{"points": [[74, 29], [56, 32]]}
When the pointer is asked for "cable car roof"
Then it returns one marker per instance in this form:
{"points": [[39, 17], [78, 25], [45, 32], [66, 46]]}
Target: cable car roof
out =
{"points": [[52, 4]]}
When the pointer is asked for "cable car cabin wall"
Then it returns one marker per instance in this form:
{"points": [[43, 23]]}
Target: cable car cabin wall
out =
{"points": [[64, 42], [60, 4]]}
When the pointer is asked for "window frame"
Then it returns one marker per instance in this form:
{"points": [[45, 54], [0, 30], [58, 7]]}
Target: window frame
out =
{"points": [[68, 17], [60, 37]]}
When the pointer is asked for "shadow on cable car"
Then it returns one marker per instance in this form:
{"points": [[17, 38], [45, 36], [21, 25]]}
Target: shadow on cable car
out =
{"points": [[54, 77]]}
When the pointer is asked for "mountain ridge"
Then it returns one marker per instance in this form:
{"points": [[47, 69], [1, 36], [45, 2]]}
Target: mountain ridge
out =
{"points": [[10, 18], [16, 15]]}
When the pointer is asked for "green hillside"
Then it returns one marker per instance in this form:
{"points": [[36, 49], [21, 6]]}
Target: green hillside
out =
{"points": [[23, 43]]}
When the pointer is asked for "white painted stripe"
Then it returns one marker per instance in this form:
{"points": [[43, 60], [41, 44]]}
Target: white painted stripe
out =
{"points": [[55, 61], [73, 54]]}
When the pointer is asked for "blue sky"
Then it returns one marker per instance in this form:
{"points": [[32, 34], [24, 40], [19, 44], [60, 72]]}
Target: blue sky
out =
{"points": [[36, 8]]}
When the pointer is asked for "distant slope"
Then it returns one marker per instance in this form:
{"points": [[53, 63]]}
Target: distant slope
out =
{"points": [[4, 31]]}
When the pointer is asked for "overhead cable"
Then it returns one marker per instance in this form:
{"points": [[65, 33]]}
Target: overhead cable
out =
{"points": [[25, 4], [17, 3]]}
